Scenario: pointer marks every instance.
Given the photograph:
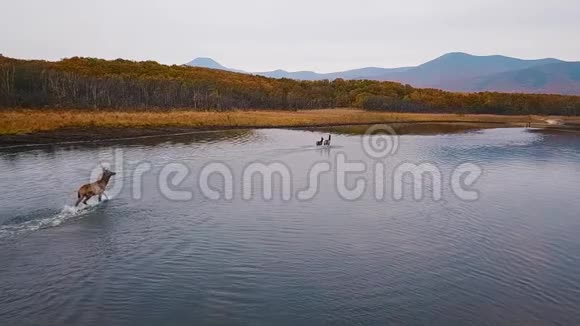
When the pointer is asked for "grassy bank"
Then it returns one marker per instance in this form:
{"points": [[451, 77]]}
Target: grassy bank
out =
{"points": [[13, 122]]}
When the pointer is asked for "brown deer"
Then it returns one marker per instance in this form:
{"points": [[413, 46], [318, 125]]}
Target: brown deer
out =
{"points": [[95, 189]]}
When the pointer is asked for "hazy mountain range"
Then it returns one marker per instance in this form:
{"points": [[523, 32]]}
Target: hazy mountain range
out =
{"points": [[455, 72], [362, 73]]}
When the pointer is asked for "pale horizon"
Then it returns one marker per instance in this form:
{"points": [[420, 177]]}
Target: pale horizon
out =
{"points": [[257, 35]]}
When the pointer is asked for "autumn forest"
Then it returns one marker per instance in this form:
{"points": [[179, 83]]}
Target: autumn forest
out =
{"points": [[96, 84]]}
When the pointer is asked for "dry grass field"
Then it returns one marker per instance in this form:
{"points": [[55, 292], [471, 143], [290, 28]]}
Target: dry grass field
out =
{"points": [[13, 122]]}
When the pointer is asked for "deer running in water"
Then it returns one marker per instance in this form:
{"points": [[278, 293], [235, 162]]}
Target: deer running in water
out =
{"points": [[94, 189]]}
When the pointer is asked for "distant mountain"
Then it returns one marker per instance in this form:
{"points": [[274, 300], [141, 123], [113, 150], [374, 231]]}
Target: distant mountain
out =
{"points": [[554, 78], [362, 73], [455, 72], [300, 75], [209, 63], [365, 73], [458, 66]]}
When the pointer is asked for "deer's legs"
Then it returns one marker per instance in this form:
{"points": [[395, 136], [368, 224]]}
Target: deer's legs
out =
{"points": [[78, 201], [100, 198], [86, 199]]}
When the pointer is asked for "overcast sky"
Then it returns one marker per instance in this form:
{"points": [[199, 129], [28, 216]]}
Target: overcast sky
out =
{"points": [[320, 35]]}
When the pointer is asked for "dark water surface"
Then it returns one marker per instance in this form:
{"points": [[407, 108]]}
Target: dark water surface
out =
{"points": [[511, 257]]}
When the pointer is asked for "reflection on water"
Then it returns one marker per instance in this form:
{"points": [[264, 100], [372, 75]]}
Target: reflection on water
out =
{"points": [[185, 138], [512, 257], [417, 128]]}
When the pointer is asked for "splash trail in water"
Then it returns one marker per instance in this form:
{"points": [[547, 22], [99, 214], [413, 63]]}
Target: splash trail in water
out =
{"points": [[65, 214]]}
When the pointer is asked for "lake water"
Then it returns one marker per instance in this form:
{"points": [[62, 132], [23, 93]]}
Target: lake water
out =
{"points": [[147, 258]]}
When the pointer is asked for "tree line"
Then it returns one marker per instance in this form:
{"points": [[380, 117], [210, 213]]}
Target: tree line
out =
{"points": [[89, 83]]}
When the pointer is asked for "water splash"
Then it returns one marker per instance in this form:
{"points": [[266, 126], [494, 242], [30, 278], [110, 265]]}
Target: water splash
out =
{"points": [[66, 213]]}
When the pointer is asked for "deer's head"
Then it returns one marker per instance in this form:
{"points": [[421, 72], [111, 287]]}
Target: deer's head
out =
{"points": [[108, 173]]}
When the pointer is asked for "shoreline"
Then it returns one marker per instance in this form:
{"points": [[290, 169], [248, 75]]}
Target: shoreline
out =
{"points": [[80, 127], [72, 136]]}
